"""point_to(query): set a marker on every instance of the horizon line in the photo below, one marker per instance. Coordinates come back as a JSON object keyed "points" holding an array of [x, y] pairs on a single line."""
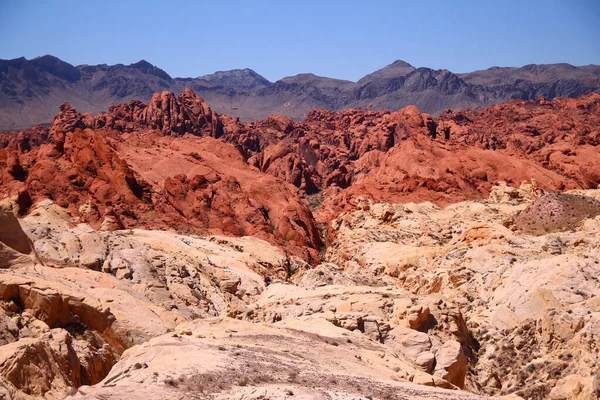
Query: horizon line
{"points": [[297, 74]]}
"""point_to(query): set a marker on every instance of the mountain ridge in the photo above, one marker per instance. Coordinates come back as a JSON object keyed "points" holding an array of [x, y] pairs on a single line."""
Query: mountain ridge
{"points": [[32, 90]]}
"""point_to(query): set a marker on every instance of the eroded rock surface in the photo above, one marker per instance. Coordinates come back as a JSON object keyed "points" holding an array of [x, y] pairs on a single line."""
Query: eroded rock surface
{"points": [[229, 359], [174, 163], [164, 251], [522, 306]]}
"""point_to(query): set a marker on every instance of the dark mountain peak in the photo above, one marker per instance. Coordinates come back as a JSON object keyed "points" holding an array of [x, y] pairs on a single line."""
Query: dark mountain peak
{"points": [[147, 68], [142, 64], [48, 58], [400, 63], [14, 63], [236, 71], [396, 69], [232, 73], [541, 75], [311, 78], [40, 85], [237, 79], [301, 77], [56, 67], [542, 68]]}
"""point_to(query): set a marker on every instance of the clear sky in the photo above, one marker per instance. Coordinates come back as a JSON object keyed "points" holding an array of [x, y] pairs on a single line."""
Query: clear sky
{"points": [[341, 39]]}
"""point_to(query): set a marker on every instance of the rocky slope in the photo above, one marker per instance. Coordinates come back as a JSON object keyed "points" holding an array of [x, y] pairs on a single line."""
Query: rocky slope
{"points": [[410, 301], [31, 90], [163, 250], [175, 163], [193, 184], [519, 304]]}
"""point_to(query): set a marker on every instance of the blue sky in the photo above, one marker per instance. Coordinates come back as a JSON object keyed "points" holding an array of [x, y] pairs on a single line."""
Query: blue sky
{"points": [[341, 39]]}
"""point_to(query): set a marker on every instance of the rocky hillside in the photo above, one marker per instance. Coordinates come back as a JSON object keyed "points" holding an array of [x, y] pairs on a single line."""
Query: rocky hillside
{"points": [[31, 90], [411, 301], [176, 163], [164, 250]]}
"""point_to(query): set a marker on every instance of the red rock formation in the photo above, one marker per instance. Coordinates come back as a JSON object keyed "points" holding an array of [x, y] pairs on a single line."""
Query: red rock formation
{"points": [[407, 156], [562, 135], [166, 113], [112, 179], [205, 185], [137, 166]]}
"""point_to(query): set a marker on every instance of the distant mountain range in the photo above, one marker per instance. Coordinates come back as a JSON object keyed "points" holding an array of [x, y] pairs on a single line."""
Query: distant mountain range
{"points": [[32, 90]]}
